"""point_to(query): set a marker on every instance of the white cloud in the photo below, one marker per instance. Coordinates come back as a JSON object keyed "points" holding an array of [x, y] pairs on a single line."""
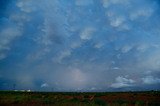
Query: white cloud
{"points": [[26, 5], [120, 1], [93, 88], [38, 55], [87, 33], [145, 13], [7, 35], [150, 80], [122, 82], [120, 12], [20, 18], [107, 3], [116, 68], [151, 62], [99, 45], [118, 56], [76, 44], [63, 54], [44, 85], [48, 31], [155, 45], [143, 47], [117, 21], [126, 48], [83, 2]]}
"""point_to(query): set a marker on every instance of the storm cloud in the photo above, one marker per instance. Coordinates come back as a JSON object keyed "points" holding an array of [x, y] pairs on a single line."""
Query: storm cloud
{"points": [[80, 45]]}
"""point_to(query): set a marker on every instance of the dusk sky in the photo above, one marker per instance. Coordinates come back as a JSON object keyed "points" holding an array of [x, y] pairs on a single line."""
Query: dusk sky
{"points": [[80, 45]]}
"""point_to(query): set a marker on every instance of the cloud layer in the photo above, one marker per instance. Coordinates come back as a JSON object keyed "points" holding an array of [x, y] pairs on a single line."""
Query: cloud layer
{"points": [[80, 44]]}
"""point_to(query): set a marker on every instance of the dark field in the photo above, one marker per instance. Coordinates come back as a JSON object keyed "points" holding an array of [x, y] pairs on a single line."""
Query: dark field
{"points": [[11, 98]]}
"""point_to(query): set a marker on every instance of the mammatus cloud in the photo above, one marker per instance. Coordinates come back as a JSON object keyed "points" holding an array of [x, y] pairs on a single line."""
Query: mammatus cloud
{"points": [[8, 33], [26, 6], [80, 44], [87, 33]]}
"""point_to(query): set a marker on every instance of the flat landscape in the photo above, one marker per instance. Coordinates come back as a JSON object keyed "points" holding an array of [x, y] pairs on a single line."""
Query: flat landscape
{"points": [[18, 98]]}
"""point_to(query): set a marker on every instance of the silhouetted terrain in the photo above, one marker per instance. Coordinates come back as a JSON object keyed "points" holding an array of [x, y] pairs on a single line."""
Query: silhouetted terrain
{"points": [[17, 98]]}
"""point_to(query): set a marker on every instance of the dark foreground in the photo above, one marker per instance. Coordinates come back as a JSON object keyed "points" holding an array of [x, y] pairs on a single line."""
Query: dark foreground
{"points": [[11, 98]]}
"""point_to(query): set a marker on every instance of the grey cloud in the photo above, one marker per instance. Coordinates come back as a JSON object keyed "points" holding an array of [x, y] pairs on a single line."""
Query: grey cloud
{"points": [[7, 35], [151, 80], [122, 82]]}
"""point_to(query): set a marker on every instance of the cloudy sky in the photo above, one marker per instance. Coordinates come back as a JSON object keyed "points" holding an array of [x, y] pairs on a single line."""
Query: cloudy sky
{"points": [[80, 45]]}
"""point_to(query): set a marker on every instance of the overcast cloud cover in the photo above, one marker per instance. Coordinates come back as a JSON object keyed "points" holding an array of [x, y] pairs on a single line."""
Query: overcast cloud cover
{"points": [[80, 45]]}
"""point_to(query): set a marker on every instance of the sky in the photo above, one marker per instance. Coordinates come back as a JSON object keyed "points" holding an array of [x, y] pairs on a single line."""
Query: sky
{"points": [[80, 45]]}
